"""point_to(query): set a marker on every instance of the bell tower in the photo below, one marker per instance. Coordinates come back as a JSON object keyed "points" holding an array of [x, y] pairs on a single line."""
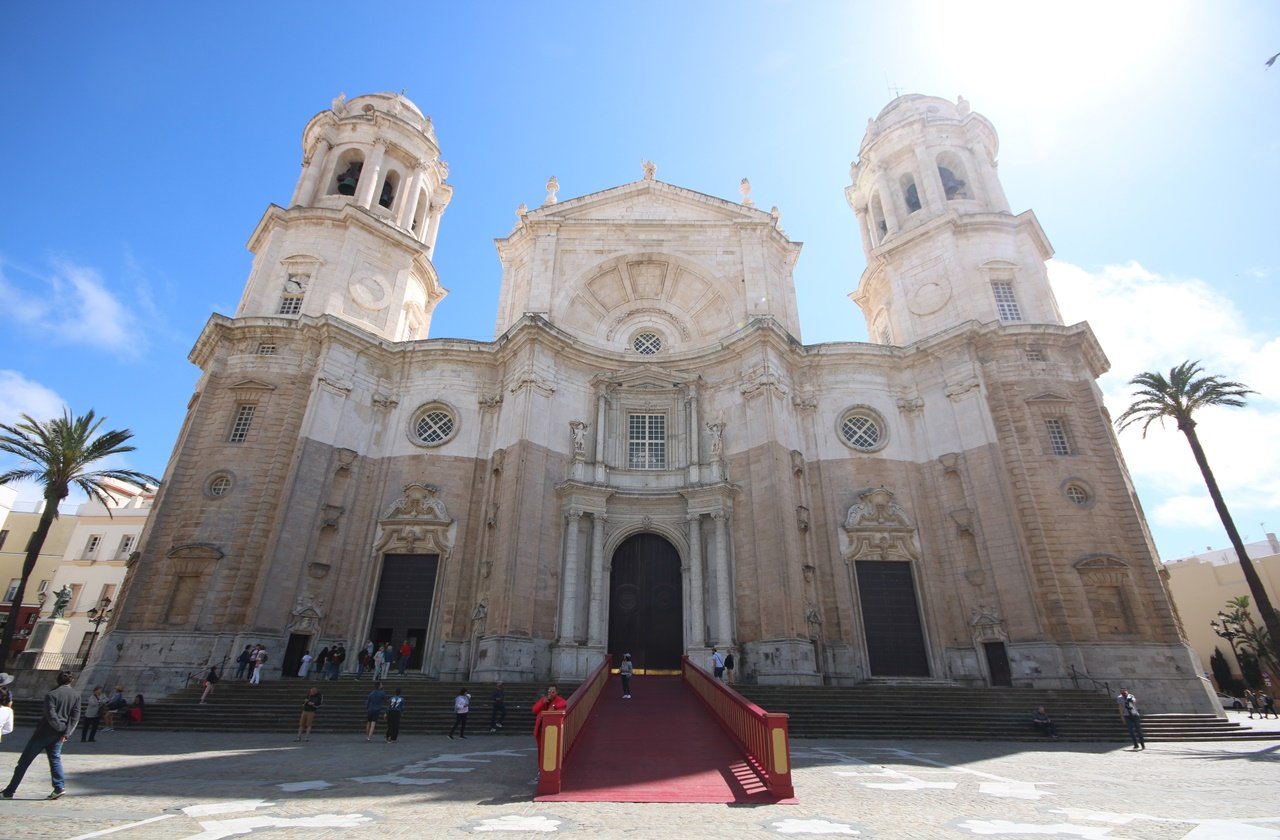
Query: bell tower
{"points": [[357, 240], [942, 246]]}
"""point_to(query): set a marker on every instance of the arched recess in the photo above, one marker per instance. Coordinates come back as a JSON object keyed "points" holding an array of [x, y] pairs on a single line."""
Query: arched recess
{"points": [[411, 553], [646, 602], [191, 566], [1109, 590], [689, 302], [884, 569]]}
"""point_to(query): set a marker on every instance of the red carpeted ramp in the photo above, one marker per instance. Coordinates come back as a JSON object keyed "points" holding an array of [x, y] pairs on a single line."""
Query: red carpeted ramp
{"points": [[660, 746]]}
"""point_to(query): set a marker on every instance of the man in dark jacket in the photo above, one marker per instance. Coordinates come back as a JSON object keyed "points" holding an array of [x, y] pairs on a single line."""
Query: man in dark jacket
{"points": [[61, 715]]}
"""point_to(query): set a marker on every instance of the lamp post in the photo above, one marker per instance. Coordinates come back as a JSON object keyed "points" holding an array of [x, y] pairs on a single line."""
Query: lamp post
{"points": [[97, 615]]}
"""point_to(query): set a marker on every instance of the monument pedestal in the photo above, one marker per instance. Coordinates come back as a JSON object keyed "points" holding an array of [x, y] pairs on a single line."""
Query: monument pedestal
{"points": [[44, 648]]}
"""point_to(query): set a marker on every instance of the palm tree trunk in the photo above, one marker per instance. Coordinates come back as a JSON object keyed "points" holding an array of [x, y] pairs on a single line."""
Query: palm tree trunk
{"points": [[34, 545], [1256, 588]]}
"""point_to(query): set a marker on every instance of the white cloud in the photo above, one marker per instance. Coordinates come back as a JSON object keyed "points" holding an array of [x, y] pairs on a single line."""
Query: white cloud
{"points": [[19, 395], [1145, 321], [73, 305]]}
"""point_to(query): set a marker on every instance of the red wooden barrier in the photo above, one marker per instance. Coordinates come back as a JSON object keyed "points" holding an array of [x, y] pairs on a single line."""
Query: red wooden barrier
{"points": [[559, 729], [763, 736]]}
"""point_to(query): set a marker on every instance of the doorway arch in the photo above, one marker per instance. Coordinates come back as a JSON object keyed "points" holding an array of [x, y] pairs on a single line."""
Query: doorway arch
{"points": [[646, 603]]}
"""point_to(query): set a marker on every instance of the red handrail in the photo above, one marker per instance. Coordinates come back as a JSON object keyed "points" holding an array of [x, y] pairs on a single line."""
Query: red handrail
{"points": [[762, 736], [558, 729]]}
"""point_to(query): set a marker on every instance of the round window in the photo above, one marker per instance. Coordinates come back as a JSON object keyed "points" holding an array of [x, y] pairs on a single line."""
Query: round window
{"points": [[1077, 494], [433, 425], [219, 485], [862, 429], [647, 343]]}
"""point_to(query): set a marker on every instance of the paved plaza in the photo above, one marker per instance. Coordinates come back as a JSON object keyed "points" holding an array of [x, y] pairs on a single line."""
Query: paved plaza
{"points": [[169, 785]]}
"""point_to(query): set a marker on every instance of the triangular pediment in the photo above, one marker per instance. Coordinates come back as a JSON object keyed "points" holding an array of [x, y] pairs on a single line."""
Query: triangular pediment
{"points": [[648, 201], [252, 385], [646, 376]]}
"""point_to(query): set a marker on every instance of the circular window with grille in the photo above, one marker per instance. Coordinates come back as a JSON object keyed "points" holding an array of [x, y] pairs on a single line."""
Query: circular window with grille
{"points": [[218, 485], [862, 428], [647, 343], [1078, 494], [433, 425]]}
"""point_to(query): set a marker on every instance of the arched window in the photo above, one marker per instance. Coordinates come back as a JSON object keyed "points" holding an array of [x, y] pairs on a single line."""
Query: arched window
{"points": [[390, 187], [878, 227], [955, 181], [910, 195], [346, 175], [420, 213]]}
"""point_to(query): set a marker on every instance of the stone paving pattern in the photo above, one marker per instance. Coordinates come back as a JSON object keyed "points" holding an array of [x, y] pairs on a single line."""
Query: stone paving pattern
{"points": [[209, 786]]}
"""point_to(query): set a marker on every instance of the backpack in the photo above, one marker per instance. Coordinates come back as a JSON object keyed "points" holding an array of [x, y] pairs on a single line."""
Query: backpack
{"points": [[262, 658]]}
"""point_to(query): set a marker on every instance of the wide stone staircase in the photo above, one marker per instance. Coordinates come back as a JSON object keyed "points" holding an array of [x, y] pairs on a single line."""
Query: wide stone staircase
{"points": [[936, 710], [869, 711]]}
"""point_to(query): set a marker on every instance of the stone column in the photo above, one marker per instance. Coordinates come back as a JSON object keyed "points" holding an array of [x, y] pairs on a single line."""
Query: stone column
{"points": [[371, 174], [409, 204], [695, 428], [433, 227], [698, 614], [929, 184], [313, 165], [724, 598], [600, 409], [887, 205], [569, 583], [595, 623]]}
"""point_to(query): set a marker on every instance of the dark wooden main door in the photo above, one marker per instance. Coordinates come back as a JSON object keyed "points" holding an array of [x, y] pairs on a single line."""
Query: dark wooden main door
{"points": [[891, 619], [403, 608], [646, 603], [998, 663]]}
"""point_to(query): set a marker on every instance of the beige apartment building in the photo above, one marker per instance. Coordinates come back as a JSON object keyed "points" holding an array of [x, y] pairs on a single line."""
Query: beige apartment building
{"points": [[648, 458], [1201, 585], [19, 524]]}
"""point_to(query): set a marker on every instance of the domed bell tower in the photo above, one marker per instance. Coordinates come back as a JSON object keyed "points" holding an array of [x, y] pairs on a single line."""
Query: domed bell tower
{"points": [[357, 240], [942, 246]]}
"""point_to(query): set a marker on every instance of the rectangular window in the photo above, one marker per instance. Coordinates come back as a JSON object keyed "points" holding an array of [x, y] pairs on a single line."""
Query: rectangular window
{"points": [[240, 428], [647, 441], [91, 547], [12, 590], [290, 305], [107, 595], [126, 546], [1006, 303], [266, 348], [4, 535], [84, 645], [1058, 438], [1035, 355], [44, 587], [75, 596]]}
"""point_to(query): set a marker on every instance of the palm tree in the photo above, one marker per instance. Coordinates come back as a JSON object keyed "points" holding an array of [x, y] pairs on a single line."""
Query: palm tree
{"points": [[60, 453], [1179, 397]]}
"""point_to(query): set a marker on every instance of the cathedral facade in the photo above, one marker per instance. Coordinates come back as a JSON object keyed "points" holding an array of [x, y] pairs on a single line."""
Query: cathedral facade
{"points": [[647, 459]]}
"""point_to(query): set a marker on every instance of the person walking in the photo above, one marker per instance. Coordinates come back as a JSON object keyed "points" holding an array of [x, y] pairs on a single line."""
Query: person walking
{"points": [[304, 667], [461, 708], [373, 709], [210, 680], [60, 718], [92, 715], [242, 661], [1268, 706], [1249, 702], [395, 708], [310, 704], [406, 650], [322, 662], [497, 707], [1132, 718], [625, 670], [729, 664]]}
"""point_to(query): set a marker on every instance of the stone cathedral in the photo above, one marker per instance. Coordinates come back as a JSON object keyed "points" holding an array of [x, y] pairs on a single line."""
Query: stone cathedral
{"points": [[646, 458]]}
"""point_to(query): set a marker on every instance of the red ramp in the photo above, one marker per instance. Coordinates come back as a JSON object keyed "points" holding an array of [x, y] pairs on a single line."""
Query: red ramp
{"points": [[661, 746]]}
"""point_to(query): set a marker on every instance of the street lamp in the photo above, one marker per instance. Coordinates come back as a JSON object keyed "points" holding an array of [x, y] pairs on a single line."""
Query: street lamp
{"points": [[97, 615]]}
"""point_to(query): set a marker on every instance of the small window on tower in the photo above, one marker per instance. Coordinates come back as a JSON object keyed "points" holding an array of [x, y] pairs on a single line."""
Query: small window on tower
{"points": [[954, 179], [389, 189], [267, 348], [1006, 303], [1059, 441], [240, 426]]}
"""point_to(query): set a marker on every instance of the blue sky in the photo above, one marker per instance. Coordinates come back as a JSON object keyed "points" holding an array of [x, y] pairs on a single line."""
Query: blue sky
{"points": [[142, 143]]}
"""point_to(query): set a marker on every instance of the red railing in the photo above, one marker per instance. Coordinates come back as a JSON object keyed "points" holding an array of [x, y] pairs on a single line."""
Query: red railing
{"points": [[762, 736], [558, 729]]}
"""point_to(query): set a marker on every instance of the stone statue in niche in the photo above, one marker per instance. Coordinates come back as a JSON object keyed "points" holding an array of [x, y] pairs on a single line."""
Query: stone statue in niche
{"points": [[578, 431], [717, 439], [480, 615]]}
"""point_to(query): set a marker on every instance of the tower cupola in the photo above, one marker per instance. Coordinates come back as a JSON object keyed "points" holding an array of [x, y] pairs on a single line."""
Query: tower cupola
{"points": [[942, 245]]}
